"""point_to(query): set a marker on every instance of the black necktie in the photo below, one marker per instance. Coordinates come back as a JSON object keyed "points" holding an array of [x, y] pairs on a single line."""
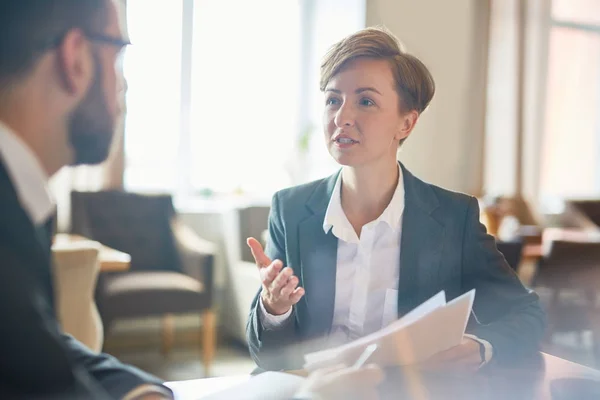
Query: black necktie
{"points": [[46, 231]]}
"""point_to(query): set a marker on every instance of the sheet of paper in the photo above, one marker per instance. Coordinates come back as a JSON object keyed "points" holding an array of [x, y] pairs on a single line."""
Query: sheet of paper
{"points": [[266, 386], [438, 331], [437, 301], [432, 327], [315, 360]]}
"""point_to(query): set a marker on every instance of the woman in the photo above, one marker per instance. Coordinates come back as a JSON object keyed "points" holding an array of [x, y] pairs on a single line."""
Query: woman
{"points": [[372, 241]]}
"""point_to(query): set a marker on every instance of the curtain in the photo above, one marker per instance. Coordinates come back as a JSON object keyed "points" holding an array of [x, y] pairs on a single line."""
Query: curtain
{"points": [[518, 47], [518, 50]]}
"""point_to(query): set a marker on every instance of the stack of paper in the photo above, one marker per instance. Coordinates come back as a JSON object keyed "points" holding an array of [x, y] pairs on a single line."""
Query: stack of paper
{"points": [[432, 327]]}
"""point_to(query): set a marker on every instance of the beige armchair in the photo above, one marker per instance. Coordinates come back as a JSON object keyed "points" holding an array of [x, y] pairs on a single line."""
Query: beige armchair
{"points": [[171, 267], [75, 272]]}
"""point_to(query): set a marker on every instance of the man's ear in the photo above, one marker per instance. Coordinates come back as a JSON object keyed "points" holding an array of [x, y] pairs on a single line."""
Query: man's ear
{"points": [[407, 123], [75, 63]]}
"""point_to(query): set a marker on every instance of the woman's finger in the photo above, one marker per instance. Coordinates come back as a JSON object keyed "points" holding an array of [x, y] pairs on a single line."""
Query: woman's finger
{"points": [[268, 274], [281, 280], [289, 288], [261, 259], [296, 295]]}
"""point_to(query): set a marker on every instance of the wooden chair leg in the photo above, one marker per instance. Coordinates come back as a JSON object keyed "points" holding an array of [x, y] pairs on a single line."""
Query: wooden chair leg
{"points": [[168, 333], [209, 339]]}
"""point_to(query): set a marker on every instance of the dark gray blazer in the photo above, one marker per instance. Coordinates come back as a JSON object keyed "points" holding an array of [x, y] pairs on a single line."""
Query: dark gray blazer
{"points": [[443, 247], [38, 360]]}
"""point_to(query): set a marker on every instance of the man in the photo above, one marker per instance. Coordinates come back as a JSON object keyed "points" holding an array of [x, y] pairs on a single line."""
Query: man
{"points": [[58, 106]]}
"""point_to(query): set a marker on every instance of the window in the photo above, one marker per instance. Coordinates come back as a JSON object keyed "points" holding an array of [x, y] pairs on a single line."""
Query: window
{"points": [[152, 67], [571, 147], [501, 123], [223, 96], [561, 101]]}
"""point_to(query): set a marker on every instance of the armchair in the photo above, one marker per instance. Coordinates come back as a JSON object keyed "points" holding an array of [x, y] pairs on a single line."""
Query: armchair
{"points": [[171, 268]]}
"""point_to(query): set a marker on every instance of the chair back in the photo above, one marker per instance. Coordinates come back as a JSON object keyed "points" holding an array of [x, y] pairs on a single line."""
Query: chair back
{"points": [[137, 224], [75, 271], [571, 264], [589, 208], [253, 222], [512, 251]]}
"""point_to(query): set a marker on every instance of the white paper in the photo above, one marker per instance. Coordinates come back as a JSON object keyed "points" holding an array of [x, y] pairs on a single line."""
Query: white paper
{"points": [[322, 357], [266, 386], [431, 327]]}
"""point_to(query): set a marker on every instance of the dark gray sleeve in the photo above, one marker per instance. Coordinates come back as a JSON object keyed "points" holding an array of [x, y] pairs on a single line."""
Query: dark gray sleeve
{"points": [[505, 313], [38, 360], [269, 348], [113, 376]]}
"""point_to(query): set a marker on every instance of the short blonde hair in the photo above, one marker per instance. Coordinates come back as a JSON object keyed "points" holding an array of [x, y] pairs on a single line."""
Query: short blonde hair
{"points": [[414, 84]]}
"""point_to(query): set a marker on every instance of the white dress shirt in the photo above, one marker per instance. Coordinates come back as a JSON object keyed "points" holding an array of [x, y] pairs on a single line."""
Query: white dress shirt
{"points": [[27, 175], [31, 184], [368, 272], [366, 289]]}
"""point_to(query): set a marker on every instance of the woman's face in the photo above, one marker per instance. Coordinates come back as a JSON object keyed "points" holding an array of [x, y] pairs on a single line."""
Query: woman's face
{"points": [[362, 120]]}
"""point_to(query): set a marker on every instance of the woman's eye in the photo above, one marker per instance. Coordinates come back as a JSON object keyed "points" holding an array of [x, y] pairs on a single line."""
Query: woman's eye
{"points": [[332, 101], [366, 103]]}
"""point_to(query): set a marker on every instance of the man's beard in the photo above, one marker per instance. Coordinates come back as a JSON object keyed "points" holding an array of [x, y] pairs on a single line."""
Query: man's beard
{"points": [[91, 126]]}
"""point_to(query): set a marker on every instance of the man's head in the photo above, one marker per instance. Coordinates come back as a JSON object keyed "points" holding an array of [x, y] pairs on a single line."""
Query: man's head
{"points": [[60, 56]]}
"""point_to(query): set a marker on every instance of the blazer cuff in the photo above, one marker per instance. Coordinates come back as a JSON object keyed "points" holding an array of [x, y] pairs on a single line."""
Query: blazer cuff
{"points": [[488, 349], [272, 322]]}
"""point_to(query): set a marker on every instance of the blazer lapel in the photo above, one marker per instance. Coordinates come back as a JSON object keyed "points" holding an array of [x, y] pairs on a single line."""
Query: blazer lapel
{"points": [[318, 259], [421, 244], [17, 229]]}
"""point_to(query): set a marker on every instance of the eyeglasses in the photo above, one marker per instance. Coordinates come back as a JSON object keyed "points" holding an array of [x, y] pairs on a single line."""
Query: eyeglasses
{"points": [[113, 41], [93, 37]]}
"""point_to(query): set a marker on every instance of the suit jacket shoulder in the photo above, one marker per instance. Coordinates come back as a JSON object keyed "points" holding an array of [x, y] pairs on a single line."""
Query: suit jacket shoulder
{"points": [[446, 197], [300, 195]]}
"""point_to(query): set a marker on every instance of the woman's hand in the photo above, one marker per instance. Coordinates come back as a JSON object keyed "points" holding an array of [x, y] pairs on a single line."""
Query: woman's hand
{"points": [[280, 289], [464, 358]]}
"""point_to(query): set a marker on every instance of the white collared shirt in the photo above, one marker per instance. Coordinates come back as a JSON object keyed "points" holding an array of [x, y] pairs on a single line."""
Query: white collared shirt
{"points": [[368, 268], [27, 175]]}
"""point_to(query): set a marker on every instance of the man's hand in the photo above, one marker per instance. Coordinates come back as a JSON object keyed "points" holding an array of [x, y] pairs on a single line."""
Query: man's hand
{"points": [[280, 289], [343, 383], [464, 358]]}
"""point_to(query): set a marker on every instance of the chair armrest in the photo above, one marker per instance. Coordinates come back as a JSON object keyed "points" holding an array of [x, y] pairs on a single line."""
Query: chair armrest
{"points": [[196, 254]]}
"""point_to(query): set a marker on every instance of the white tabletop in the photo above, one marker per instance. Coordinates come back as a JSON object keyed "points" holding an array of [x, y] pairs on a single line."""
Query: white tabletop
{"points": [[197, 388]]}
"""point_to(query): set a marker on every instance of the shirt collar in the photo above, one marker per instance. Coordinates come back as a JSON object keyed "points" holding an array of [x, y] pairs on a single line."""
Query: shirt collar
{"points": [[336, 220], [27, 175]]}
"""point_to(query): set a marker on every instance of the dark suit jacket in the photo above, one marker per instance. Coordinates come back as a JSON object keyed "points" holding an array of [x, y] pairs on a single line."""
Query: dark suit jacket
{"points": [[443, 247], [37, 360]]}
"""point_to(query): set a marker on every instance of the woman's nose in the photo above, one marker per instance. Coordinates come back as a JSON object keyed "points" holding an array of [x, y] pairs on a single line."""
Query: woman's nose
{"points": [[344, 117]]}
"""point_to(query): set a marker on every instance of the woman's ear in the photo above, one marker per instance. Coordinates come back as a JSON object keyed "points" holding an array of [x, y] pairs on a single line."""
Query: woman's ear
{"points": [[407, 123]]}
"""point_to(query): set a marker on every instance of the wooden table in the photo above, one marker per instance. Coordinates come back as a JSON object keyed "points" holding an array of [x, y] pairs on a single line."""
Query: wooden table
{"points": [[528, 381], [111, 260]]}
